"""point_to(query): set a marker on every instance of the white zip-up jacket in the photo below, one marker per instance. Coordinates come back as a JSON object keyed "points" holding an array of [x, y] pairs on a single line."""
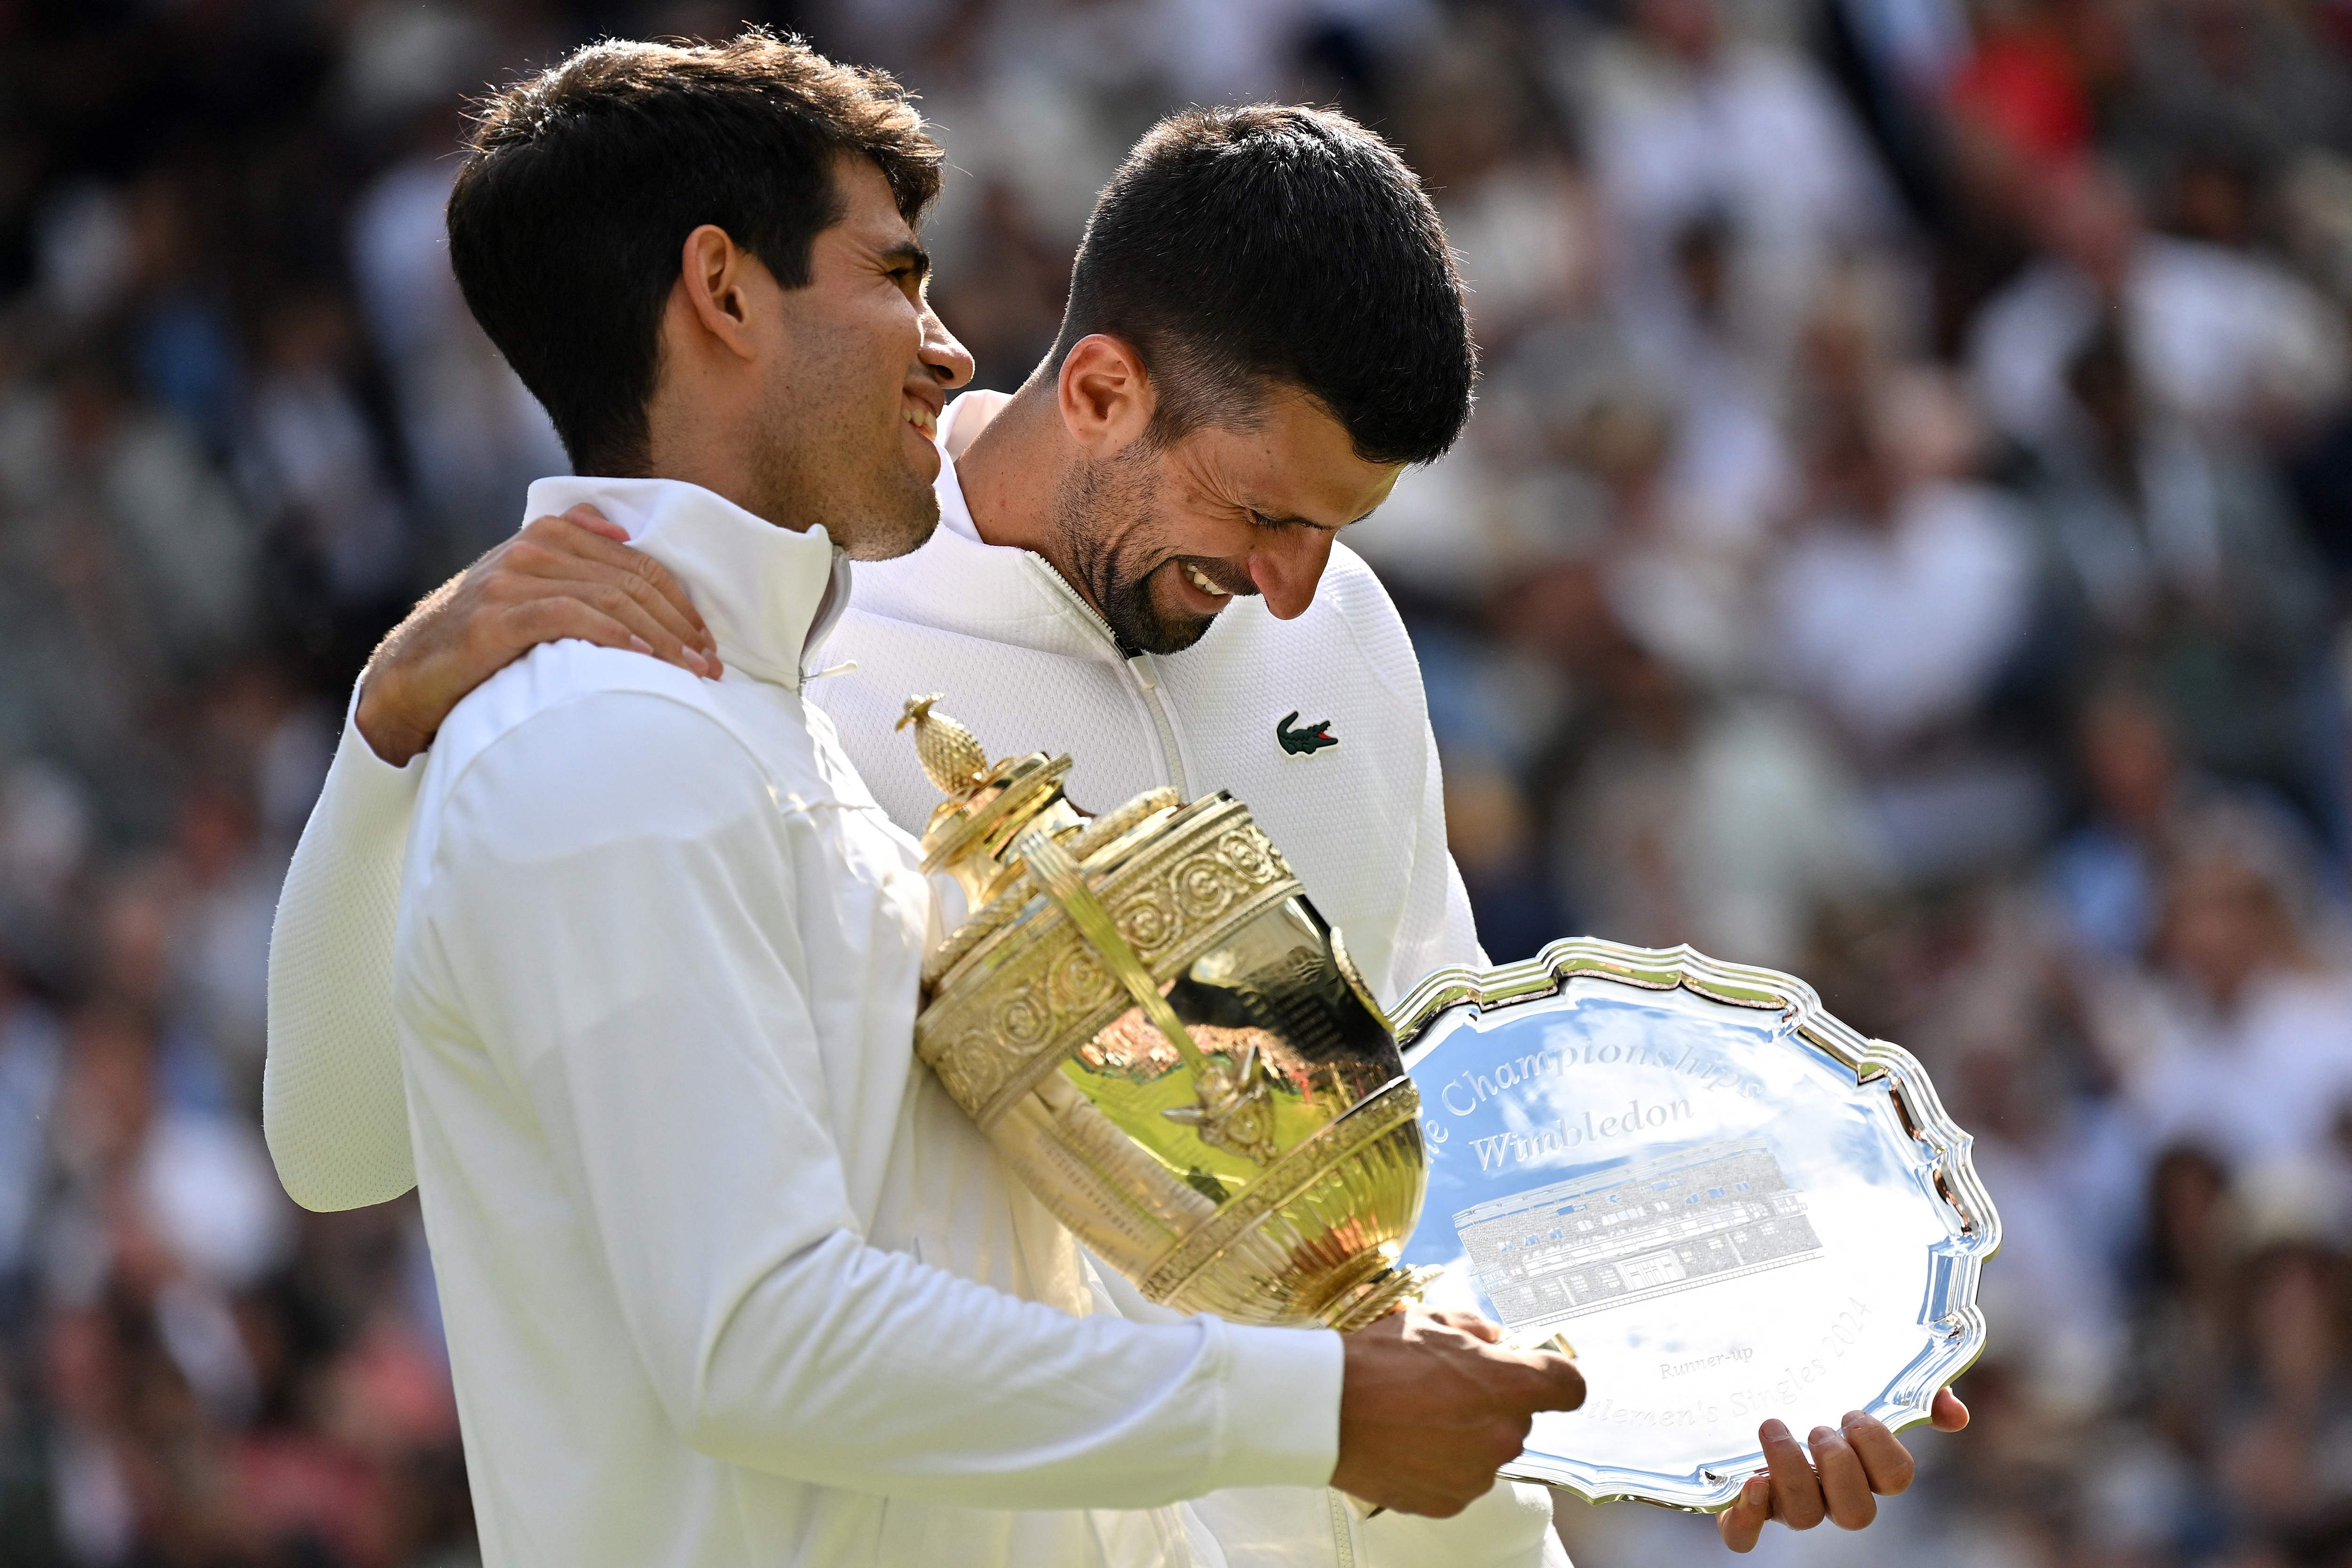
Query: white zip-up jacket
{"points": [[1023, 660], [729, 1281]]}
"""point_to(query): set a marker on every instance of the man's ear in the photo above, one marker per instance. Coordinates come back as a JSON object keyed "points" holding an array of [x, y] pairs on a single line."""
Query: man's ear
{"points": [[1105, 394], [714, 281]]}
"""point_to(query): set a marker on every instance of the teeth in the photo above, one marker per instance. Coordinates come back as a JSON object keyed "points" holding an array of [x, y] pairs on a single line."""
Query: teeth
{"points": [[1201, 582], [922, 419]]}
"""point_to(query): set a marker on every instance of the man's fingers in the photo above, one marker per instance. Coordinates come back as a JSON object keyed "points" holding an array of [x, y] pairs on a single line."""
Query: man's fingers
{"points": [[1439, 1504], [550, 620], [1884, 1458], [1743, 1521], [529, 621], [637, 577], [569, 549], [646, 576], [554, 618], [633, 595], [1796, 1492], [588, 517], [1845, 1490], [1948, 1414], [1477, 1325]]}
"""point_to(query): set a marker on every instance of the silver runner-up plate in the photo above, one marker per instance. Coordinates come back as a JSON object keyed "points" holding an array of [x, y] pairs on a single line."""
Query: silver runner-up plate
{"points": [[1730, 1205]]}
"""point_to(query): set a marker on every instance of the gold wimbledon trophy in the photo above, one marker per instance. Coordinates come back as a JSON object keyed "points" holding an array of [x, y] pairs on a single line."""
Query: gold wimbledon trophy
{"points": [[1153, 1026]]}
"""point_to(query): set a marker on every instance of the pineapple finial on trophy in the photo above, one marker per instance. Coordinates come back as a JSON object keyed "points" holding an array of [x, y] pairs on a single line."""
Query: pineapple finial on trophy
{"points": [[988, 804], [951, 756]]}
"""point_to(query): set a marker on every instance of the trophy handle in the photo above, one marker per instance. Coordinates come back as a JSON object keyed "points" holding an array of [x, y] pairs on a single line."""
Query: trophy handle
{"points": [[1234, 1110]]}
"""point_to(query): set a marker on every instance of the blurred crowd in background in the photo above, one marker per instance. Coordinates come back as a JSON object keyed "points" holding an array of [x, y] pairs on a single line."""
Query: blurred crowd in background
{"points": [[1905, 538]]}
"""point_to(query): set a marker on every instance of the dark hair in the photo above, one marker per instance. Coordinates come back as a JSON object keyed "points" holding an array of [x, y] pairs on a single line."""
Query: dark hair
{"points": [[2100, 365], [1240, 249], [581, 182]]}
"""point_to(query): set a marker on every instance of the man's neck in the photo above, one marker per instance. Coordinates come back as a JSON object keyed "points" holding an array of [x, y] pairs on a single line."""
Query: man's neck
{"points": [[699, 451], [1005, 453]]}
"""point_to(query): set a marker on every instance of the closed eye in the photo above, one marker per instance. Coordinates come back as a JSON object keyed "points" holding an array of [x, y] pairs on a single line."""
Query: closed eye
{"points": [[907, 266], [1260, 519]]}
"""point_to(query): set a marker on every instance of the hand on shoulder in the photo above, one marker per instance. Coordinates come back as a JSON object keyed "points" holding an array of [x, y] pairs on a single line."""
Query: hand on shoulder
{"points": [[569, 576]]}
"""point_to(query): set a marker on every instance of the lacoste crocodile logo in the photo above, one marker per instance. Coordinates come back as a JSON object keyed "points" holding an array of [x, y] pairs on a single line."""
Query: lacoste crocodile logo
{"points": [[1306, 742]]}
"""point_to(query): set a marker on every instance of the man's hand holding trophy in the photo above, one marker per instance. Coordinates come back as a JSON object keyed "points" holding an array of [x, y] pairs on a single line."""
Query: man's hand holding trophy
{"points": [[1432, 1408], [1751, 1219]]}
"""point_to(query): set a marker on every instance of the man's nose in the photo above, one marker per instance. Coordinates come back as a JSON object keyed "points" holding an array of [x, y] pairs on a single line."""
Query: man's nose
{"points": [[949, 360], [1287, 569]]}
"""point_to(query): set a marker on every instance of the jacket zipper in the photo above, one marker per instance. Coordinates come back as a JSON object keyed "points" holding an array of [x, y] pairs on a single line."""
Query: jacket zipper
{"points": [[1343, 1531], [1147, 676], [1142, 671]]}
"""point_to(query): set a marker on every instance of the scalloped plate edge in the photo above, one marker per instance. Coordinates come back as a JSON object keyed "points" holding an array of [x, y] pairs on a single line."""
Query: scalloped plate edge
{"points": [[1974, 1222]]}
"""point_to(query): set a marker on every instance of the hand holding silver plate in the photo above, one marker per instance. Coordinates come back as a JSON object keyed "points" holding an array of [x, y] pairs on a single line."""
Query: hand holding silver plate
{"points": [[1739, 1210]]}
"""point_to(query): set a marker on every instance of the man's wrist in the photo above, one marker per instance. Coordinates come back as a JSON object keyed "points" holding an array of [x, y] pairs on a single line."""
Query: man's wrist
{"points": [[394, 740]]}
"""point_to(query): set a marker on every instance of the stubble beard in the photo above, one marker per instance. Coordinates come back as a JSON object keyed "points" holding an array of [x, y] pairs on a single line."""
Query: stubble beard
{"points": [[901, 521], [1097, 511], [874, 507]]}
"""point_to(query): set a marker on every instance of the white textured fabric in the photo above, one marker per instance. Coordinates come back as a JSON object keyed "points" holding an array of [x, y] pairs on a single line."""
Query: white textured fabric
{"points": [[1020, 658], [728, 1279], [330, 1092], [1302, 1527]]}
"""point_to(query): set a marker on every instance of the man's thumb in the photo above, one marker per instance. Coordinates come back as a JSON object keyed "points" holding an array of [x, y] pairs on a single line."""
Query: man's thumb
{"points": [[1563, 1383]]}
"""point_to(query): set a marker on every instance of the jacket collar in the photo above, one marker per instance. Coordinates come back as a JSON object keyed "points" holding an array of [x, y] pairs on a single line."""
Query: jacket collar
{"points": [[768, 593], [959, 583], [955, 512]]}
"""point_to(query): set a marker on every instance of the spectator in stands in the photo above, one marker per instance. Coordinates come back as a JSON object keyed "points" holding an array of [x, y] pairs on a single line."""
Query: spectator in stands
{"points": [[2186, 563], [2234, 344], [1896, 610], [2245, 1046]]}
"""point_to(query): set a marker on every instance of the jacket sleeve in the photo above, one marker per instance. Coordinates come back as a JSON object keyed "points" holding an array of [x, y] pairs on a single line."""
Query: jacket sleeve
{"points": [[623, 933], [332, 1107]]}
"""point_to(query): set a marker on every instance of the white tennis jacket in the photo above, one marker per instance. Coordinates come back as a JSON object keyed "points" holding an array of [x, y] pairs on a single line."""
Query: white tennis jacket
{"points": [[1318, 723], [729, 1281]]}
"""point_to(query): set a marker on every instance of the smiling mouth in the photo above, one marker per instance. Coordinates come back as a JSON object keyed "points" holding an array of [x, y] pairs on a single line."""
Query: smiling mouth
{"points": [[1200, 580]]}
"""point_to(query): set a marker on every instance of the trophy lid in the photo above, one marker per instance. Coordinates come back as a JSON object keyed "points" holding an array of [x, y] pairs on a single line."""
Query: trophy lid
{"points": [[988, 806]]}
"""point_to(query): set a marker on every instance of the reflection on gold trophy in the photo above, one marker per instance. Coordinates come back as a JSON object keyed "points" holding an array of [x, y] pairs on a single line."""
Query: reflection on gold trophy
{"points": [[1154, 1026]]}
